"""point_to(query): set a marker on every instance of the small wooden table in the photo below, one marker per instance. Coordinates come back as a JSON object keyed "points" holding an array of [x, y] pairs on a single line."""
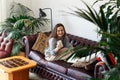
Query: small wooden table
{"points": [[15, 68]]}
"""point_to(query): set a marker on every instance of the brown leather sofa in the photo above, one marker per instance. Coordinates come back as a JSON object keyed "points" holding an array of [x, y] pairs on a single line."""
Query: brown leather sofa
{"points": [[60, 70], [5, 45]]}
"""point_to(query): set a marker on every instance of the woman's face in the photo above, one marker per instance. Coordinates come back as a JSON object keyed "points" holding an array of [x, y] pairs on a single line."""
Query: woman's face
{"points": [[60, 31]]}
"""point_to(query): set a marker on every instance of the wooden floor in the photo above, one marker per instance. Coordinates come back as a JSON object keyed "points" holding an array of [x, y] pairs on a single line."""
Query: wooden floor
{"points": [[33, 76]]}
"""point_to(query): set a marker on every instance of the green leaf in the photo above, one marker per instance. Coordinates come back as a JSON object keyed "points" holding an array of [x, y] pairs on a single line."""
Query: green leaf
{"points": [[16, 49]]}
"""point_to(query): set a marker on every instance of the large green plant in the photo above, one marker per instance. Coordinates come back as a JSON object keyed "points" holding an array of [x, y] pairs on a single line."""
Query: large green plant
{"points": [[107, 19], [20, 23]]}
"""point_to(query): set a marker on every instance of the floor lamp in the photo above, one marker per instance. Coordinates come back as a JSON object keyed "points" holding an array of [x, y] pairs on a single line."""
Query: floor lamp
{"points": [[43, 14]]}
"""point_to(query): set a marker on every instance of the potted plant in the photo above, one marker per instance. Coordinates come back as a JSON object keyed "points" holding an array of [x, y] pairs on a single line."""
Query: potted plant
{"points": [[108, 23], [20, 23]]}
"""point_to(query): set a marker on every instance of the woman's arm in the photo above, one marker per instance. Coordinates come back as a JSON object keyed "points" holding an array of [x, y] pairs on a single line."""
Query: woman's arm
{"points": [[53, 47]]}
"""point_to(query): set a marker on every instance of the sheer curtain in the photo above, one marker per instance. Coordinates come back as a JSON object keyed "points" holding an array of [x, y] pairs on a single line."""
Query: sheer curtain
{"points": [[2, 10]]}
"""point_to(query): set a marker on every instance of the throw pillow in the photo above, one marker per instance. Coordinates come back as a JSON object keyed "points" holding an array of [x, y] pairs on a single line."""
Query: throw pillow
{"points": [[40, 43], [86, 62], [80, 64], [86, 65]]}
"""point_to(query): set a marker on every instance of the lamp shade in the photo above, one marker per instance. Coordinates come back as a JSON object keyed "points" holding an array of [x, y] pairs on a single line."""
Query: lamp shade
{"points": [[42, 13]]}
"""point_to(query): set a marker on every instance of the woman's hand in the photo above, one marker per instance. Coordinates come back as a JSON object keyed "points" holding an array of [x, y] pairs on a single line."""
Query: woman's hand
{"points": [[58, 46]]}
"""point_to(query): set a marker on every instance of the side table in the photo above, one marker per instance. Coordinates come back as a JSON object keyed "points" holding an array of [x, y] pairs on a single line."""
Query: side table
{"points": [[15, 68]]}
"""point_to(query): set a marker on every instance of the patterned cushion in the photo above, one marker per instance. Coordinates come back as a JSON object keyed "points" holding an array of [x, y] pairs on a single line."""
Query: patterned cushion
{"points": [[40, 43], [80, 64], [87, 65]]}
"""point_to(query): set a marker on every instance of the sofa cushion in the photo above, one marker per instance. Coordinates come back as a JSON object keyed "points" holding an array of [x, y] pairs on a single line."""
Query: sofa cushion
{"points": [[87, 62], [40, 43], [59, 65], [86, 65], [80, 73], [80, 64]]}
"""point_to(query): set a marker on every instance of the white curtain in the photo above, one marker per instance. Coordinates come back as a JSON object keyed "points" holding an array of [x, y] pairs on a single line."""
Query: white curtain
{"points": [[2, 10]]}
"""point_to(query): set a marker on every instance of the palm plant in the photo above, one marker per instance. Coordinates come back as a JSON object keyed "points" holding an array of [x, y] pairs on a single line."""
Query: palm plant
{"points": [[20, 23], [108, 22]]}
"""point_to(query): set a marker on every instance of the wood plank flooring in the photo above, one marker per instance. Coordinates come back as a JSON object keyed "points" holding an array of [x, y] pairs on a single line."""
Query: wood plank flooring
{"points": [[33, 76]]}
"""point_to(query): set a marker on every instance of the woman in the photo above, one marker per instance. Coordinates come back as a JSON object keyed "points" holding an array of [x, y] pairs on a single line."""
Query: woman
{"points": [[58, 43]]}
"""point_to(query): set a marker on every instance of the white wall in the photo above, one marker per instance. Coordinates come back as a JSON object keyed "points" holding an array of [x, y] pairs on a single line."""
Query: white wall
{"points": [[24, 2], [73, 24]]}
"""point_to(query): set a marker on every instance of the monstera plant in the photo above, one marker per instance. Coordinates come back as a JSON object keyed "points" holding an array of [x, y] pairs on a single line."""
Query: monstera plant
{"points": [[21, 22], [107, 19]]}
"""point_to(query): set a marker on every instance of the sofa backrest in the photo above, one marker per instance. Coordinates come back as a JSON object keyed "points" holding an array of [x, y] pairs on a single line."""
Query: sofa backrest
{"points": [[80, 41], [29, 41]]}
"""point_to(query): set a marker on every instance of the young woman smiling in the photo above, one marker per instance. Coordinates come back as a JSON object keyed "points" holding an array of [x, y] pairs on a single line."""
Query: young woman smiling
{"points": [[58, 42]]}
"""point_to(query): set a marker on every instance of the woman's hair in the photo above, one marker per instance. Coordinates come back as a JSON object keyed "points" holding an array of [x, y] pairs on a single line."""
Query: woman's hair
{"points": [[54, 32]]}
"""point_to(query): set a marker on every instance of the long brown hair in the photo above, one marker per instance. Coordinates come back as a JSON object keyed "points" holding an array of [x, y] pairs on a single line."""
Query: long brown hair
{"points": [[54, 32]]}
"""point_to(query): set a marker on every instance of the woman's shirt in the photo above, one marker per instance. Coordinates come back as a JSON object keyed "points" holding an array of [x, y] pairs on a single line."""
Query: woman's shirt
{"points": [[52, 45]]}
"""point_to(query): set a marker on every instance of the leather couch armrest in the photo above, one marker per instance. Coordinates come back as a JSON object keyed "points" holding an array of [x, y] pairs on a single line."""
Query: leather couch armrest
{"points": [[28, 42], [38, 57], [35, 55], [100, 67]]}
